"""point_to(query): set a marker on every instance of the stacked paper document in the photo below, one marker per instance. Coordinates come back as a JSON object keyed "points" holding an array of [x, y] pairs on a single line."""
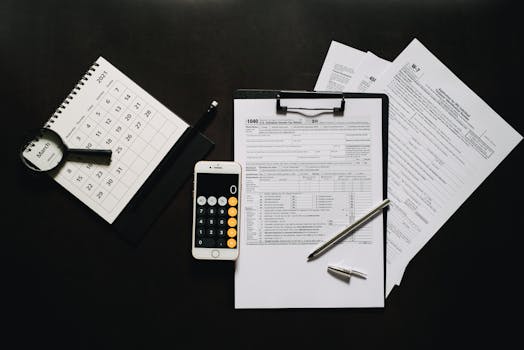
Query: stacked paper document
{"points": [[443, 140]]}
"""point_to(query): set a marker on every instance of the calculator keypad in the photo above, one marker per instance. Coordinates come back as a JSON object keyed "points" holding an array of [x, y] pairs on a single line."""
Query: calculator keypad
{"points": [[216, 222]]}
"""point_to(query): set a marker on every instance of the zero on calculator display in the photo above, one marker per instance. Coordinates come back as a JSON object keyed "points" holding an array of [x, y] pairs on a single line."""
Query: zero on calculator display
{"points": [[216, 216]]}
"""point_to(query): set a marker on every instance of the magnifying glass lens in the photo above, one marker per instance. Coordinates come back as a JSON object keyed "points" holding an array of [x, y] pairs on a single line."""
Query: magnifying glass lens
{"points": [[45, 152]]}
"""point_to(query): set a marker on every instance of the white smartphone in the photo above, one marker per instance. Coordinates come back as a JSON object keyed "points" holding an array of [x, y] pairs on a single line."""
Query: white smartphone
{"points": [[216, 210]]}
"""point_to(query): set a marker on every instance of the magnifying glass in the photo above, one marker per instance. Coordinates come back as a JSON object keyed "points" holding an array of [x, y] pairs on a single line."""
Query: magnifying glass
{"points": [[48, 152]]}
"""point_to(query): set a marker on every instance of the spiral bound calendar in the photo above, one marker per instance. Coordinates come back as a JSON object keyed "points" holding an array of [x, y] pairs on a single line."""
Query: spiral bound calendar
{"points": [[107, 110]]}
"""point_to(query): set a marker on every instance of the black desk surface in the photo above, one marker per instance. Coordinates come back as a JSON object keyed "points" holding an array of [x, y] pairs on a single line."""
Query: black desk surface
{"points": [[68, 281]]}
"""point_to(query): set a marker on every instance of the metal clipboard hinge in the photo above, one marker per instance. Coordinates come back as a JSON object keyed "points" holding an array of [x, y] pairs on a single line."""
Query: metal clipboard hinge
{"points": [[338, 111]]}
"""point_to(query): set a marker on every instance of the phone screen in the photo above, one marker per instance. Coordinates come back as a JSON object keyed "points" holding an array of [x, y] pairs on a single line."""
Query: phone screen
{"points": [[216, 216]]}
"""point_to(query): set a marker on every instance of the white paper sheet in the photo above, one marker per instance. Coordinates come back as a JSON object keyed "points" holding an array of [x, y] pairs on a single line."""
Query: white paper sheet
{"points": [[367, 73], [339, 67], [443, 142], [304, 180]]}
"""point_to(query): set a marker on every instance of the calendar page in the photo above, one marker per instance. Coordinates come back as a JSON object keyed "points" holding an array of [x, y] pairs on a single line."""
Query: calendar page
{"points": [[107, 110]]}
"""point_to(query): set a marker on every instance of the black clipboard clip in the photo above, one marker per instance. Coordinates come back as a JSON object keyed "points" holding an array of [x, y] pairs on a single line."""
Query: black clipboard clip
{"points": [[337, 111]]}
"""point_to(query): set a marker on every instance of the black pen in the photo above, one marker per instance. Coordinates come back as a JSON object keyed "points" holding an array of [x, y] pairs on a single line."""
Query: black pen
{"points": [[191, 131], [199, 126], [206, 117]]}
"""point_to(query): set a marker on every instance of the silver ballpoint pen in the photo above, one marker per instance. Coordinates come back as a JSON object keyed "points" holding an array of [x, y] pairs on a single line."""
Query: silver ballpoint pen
{"points": [[361, 221]]}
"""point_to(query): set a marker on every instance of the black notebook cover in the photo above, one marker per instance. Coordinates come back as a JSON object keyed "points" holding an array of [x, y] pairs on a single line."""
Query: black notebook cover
{"points": [[161, 186]]}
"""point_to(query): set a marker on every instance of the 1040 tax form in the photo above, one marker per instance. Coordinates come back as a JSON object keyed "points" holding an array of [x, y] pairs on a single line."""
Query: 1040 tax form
{"points": [[305, 178]]}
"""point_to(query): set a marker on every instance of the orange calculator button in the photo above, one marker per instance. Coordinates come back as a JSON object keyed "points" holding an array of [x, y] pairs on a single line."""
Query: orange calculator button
{"points": [[232, 211], [232, 201], [231, 243], [232, 232], [232, 222]]}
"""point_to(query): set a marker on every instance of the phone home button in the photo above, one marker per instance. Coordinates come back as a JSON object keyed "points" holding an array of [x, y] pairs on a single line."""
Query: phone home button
{"points": [[215, 253]]}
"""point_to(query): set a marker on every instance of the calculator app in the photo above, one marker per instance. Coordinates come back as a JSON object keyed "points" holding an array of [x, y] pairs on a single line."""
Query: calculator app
{"points": [[216, 216]]}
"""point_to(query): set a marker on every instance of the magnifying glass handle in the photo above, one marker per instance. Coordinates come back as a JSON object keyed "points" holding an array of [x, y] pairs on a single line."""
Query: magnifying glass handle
{"points": [[106, 153]]}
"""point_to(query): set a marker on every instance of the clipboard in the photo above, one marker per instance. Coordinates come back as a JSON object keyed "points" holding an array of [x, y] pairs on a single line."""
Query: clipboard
{"points": [[284, 104]]}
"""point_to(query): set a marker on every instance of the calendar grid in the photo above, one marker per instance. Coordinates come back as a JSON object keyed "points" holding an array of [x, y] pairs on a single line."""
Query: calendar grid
{"points": [[135, 131]]}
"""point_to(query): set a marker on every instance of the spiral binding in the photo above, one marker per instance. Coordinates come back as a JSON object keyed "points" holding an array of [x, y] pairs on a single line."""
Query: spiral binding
{"points": [[72, 94], [30, 144], [64, 104]]}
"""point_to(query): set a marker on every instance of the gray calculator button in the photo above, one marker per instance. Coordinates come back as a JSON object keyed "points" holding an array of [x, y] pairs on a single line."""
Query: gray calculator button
{"points": [[201, 200], [212, 200], [222, 201]]}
